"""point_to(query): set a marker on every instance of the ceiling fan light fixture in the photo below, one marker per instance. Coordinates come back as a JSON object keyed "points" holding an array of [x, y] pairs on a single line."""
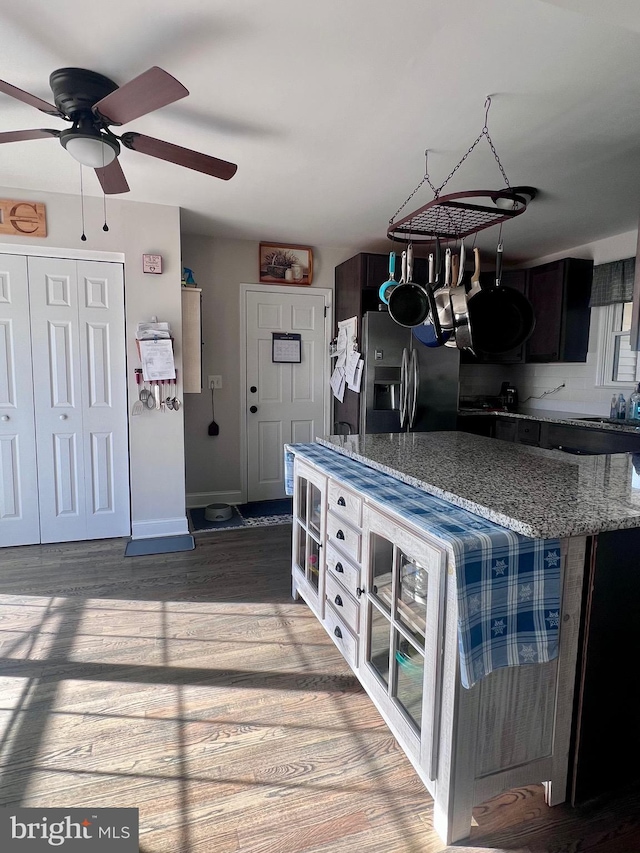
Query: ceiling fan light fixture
{"points": [[90, 149]]}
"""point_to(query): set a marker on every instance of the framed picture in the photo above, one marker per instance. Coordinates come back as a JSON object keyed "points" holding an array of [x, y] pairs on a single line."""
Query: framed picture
{"points": [[285, 264]]}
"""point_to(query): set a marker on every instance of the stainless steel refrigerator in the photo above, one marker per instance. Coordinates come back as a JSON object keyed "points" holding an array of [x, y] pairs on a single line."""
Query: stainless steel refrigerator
{"points": [[406, 386]]}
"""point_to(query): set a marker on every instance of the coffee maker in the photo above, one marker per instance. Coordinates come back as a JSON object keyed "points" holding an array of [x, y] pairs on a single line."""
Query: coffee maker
{"points": [[509, 396]]}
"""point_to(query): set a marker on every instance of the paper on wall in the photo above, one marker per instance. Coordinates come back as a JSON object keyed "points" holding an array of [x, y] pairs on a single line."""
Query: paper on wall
{"points": [[351, 366], [157, 359], [338, 383], [354, 385]]}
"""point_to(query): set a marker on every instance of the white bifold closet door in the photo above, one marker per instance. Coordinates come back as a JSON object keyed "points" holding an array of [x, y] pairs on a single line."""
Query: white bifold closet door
{"points": [[19, 515], [76, 377]]}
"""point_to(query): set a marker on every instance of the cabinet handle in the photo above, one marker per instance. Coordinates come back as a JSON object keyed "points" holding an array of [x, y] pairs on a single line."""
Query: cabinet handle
{"points": [[375, 589], [337, 632], [341, 501], [359, 591], [339, 568], [340, 535], [338, 600]]}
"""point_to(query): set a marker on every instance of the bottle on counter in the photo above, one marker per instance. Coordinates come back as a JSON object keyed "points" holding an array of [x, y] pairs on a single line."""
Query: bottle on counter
{"points": [[633, 411], [613, 411], [622, 408]]}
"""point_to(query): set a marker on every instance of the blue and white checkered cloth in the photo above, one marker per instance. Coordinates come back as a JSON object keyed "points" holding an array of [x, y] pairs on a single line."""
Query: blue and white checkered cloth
{"points": [[508, 585]]}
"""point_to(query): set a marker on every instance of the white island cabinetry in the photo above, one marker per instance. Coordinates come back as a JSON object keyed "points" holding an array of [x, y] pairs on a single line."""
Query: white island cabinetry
{"points": [[386, 594]]}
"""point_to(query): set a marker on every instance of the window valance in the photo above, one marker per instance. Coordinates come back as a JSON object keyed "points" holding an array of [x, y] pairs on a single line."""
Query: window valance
{"points": [[613, 282]]}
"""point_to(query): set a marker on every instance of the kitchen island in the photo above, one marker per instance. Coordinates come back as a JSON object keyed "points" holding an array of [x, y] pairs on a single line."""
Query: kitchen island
{"points": [[383, 525]]}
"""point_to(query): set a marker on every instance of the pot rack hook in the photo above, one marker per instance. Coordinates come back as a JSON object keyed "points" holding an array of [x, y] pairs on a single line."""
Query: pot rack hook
{"points": [[487, 107]]}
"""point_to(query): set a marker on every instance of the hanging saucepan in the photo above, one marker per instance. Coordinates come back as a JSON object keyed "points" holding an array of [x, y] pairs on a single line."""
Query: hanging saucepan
{"points": [[443, 300], [386, 286], [430, 334], [409, 303], [459, 308], [501, 318]]}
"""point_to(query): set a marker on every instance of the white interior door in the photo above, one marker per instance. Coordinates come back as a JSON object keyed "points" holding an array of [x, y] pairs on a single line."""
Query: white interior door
{"points": [[288, 398], [78, 350], [19, 522]]}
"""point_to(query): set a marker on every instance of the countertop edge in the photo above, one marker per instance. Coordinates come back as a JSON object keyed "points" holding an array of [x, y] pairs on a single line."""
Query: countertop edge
{"points": [[622, 427]]}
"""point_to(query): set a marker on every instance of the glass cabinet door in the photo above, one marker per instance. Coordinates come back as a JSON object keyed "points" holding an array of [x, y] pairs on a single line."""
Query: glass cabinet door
{"points": [[309, 490], [403, 623]]}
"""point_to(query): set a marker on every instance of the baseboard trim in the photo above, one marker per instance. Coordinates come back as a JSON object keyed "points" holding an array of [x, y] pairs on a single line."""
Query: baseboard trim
{"points": [[197, 499], [159, 527]]}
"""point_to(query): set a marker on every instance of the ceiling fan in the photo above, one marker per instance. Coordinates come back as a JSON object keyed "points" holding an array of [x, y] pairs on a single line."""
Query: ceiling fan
{"points": [[92, 102]]}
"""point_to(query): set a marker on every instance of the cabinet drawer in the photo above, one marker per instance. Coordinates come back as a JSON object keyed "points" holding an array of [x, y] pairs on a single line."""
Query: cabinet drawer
{"points": [[342, 570], [528, 432], [342, 636], [344, 537], [341, 601], [344, 503]]}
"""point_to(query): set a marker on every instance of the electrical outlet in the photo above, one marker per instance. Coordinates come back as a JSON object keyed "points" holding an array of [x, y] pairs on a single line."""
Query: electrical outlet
{"points": [[215, 382]]}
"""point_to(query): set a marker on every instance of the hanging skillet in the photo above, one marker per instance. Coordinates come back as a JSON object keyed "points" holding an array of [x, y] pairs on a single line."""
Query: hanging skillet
{"points": [[409, 303], [501, 318]]}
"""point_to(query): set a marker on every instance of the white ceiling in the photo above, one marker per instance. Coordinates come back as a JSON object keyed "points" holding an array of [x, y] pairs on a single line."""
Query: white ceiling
{"points": [[327, 107]]}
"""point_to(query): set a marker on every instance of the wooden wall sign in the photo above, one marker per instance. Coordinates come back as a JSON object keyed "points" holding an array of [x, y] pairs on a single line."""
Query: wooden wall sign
{"points": [[22, 218]]}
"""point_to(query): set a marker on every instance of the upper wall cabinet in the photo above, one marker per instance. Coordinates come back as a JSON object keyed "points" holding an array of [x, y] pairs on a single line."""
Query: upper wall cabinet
{"points": [[560, 293]]}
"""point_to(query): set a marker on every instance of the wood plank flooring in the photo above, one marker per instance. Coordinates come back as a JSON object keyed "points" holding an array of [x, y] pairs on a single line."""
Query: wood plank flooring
{"points": [[191, 686]]}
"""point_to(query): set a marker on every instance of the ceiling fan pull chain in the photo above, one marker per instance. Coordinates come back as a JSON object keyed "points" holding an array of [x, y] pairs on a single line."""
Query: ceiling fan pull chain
{"points": [[84, 236], [105, 227]]}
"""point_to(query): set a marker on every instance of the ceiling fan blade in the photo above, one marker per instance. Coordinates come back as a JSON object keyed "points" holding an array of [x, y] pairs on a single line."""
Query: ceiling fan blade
{"points": [[32, 100], [144, 94], [21, 135], [181, 156], [112, 178]]}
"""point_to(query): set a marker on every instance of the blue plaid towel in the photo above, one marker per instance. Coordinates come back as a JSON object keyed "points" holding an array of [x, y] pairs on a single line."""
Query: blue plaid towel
{"points": [[508, 585]]}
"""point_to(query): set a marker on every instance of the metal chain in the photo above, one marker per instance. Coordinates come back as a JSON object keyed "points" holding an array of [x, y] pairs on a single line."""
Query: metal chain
{"points": [[438, 190]]}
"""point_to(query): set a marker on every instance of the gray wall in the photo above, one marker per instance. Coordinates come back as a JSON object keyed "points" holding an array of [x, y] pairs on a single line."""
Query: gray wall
{"points": [[213, 464]]}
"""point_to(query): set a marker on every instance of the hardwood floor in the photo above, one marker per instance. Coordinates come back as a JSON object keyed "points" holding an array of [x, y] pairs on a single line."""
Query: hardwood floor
{"points": [[191, 686]]}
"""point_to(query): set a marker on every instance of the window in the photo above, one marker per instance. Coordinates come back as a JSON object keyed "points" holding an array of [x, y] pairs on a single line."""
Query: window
{"points": [[618, 364]]}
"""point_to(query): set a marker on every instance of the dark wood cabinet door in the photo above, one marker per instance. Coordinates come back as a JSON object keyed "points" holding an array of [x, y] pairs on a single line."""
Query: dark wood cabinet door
{"points": [[559, 293], [546, 288]]}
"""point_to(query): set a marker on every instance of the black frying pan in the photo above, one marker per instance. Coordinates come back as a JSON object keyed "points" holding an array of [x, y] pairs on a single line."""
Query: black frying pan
{"points": [[501, 318]]}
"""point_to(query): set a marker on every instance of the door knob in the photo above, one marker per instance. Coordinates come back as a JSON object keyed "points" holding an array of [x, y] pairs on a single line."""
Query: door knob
{"points": [[5, 417], [253, 409], [63, 417]]}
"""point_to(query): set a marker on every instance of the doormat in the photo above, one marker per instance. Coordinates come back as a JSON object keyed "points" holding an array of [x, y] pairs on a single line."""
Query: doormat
{"points": [[159, 545], [253, 514]]}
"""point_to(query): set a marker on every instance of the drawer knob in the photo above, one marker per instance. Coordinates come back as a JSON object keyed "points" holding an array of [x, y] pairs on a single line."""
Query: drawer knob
{"points": [[338, 600], [339, 568], [337, 632], [339, 535], [341, 501], [359, 591]]}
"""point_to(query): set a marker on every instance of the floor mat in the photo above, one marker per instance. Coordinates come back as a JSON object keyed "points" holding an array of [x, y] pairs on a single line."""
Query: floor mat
{"points": [[159, 545], [253, 514]]}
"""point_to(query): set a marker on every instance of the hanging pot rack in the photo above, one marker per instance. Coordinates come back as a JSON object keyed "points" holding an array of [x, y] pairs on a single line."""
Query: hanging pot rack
{"points": [[457, 215]]}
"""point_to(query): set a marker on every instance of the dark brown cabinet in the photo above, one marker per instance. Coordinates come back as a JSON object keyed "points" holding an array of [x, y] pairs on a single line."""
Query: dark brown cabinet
{"points": [[560, 293], [551, 436]]}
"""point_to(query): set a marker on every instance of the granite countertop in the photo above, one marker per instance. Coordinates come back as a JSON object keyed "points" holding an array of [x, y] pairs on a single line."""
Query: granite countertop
{"points": [[540, 493], [569, 418]]}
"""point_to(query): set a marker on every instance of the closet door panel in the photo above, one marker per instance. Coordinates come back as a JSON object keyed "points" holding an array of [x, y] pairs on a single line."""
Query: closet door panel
{"points": [[102, 350], [58, 392], [19, 519]]}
